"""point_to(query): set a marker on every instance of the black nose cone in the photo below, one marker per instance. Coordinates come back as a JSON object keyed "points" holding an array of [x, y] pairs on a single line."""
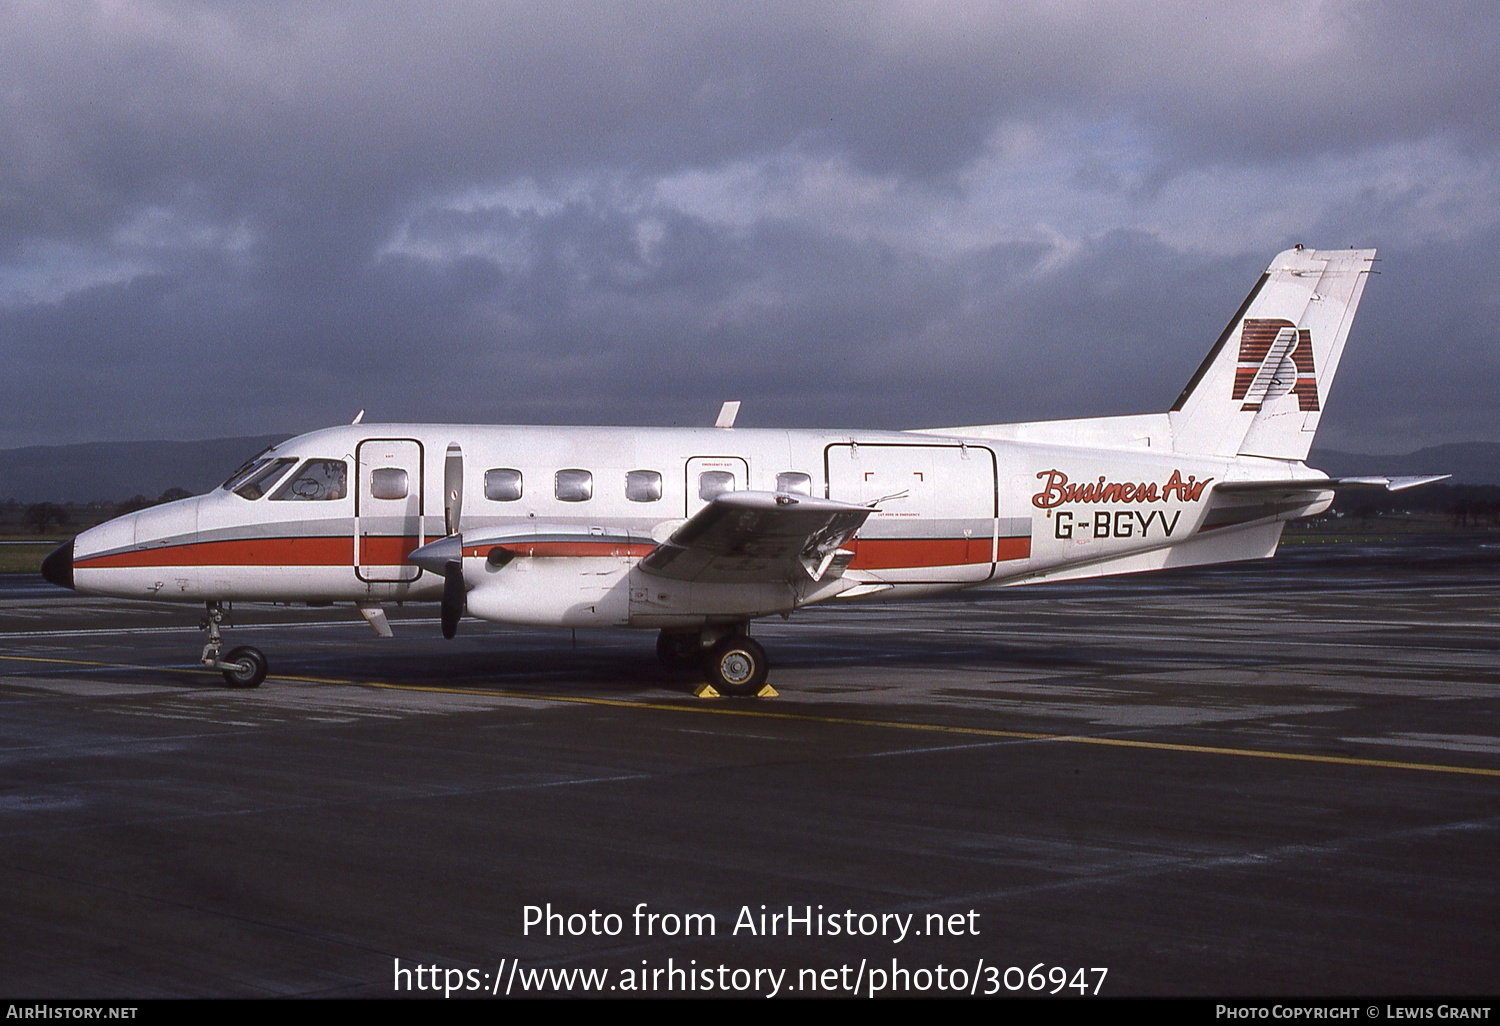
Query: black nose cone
{"points": [[58, 566]]}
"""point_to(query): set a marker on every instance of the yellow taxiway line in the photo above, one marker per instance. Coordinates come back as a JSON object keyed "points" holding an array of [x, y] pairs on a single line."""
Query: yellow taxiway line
{"points": [[843, 721]]}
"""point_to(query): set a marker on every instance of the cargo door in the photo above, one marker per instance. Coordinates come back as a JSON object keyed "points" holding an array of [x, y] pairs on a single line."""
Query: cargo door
{"points": [[936, 518]]}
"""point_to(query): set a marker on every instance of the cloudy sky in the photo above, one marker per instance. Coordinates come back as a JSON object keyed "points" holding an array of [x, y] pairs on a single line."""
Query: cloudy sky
{"points": [[221, 218]]}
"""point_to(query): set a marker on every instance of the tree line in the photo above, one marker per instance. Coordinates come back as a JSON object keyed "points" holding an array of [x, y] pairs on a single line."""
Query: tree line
{"points": [[44, 516], [1466, 505]]}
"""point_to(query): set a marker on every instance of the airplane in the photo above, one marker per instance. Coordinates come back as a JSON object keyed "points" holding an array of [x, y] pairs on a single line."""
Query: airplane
{"points": [[697, 532]]}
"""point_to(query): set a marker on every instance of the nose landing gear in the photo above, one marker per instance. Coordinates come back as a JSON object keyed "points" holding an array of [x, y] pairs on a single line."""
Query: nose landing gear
{"points": [[243, 667]]}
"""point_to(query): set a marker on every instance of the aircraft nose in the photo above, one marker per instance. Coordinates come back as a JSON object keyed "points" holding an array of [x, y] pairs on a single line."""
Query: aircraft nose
{"points": [[58, 566]]}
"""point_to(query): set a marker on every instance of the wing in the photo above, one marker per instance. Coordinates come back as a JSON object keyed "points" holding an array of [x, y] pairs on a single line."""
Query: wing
{"points": [[755, 537]]}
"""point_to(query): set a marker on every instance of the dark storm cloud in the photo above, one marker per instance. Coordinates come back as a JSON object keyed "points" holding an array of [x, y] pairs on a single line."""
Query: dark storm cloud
{"points": [[221, 217]]}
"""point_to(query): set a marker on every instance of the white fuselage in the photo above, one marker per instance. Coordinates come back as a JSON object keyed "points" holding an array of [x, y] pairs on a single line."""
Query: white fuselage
{"points": [[952, 512]]}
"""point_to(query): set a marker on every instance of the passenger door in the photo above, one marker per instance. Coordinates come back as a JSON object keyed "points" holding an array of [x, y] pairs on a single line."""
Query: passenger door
{"points": [[388, 508]]}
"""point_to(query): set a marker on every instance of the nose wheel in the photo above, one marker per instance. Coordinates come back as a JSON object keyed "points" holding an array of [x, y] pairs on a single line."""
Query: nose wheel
{"points": [[249, 667], [243, 667]]}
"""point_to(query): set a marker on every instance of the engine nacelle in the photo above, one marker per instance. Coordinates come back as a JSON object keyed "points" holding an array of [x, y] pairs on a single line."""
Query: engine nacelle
{"points": [[551, 591]]}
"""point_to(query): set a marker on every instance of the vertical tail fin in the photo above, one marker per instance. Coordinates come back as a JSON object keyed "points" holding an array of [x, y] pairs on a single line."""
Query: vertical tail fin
{"points": [[1261, 390]]}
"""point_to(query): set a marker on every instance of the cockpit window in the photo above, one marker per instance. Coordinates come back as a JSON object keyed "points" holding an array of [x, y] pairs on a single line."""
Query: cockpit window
{"points": [[245, 469], [258, 478], [317, 481]]}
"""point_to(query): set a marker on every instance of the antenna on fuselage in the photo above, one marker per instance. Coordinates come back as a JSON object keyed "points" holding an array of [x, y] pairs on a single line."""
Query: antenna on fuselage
{"points": [[727, 413], [358, 417]]}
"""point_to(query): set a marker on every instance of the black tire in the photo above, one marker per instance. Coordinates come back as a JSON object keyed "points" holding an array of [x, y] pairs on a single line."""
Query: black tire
{"points": [[737, 667], [252, 667], [679, 651]]}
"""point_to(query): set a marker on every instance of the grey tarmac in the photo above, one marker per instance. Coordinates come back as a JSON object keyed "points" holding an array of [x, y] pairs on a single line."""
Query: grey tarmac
{"points": [[1279, 778]]}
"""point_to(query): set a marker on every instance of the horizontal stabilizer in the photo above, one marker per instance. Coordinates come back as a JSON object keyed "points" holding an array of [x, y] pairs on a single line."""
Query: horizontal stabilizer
{"points": [[1390, 484], [1237, 503], [1326, 484]]}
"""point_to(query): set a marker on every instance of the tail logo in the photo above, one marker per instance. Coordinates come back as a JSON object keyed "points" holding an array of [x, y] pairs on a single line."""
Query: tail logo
{"points": [[1276, 357]]}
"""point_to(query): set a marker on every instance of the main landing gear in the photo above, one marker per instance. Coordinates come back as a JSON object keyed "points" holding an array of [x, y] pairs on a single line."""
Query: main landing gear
{"points": [[243, 667], [734, 663]]}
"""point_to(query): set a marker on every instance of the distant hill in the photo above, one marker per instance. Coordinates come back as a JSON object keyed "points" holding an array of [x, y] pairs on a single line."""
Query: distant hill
{"points": [[112, 471], [1470, 463]]}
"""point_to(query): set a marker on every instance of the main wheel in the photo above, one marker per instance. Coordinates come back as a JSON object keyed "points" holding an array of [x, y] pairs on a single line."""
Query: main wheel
{"points": [[737, 667], [679, 650], [251, 670]]}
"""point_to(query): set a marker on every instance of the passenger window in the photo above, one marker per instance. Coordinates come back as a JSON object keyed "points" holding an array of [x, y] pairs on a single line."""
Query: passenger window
{"points": [[317, 481], [502, 485], [794, 484], [712, 482], [643, 486], [259, 482], [388, 483], [575, 485]]}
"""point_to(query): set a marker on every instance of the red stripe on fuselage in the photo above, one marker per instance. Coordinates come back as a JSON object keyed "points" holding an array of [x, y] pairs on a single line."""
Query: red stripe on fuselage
{"points": [[900, 553], [869, 553]]}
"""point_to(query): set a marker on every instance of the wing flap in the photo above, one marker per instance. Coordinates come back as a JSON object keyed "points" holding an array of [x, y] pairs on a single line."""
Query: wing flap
{"points": [[759, 537]]}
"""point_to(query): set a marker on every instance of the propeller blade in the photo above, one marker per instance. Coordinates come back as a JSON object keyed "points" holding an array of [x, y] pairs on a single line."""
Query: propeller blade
{"points": [[453, 489], [453, 597]]}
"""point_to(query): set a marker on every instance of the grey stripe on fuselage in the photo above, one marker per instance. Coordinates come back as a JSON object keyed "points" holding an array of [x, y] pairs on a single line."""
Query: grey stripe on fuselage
{"points": [[935, 527]]}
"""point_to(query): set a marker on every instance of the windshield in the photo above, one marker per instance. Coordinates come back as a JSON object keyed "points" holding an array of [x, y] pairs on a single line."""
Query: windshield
{"points": [[247, 468], [257, 479]]}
